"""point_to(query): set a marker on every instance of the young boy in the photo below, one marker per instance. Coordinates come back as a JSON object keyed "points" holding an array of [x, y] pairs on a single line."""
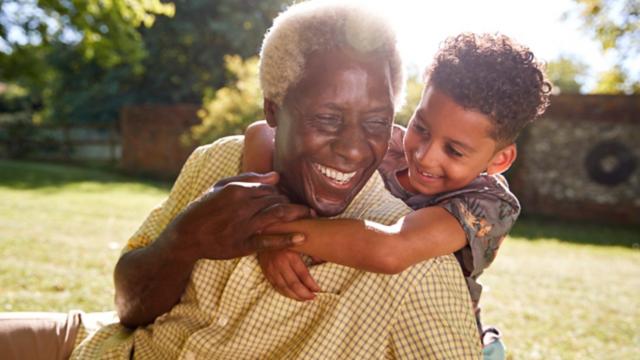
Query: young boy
{"points": [[480, 92]]}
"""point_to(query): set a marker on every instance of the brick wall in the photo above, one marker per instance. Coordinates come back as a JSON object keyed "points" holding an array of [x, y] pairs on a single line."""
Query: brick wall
{"points": [[151, 138]]}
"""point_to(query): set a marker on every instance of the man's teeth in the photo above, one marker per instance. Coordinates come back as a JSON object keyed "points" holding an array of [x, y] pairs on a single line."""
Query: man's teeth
{"points": [[334, 174]]}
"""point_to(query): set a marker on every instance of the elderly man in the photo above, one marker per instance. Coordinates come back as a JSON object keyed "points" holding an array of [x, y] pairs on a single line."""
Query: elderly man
{"points": [[187, 285]]}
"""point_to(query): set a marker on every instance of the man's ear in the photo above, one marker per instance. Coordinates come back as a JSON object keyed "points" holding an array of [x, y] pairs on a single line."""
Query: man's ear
{"points": [[502, 160], [271, 112]]}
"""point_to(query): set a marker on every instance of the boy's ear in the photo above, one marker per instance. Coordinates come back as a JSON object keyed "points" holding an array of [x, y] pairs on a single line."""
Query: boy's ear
{"points": [[270, 112], [502, 160]]}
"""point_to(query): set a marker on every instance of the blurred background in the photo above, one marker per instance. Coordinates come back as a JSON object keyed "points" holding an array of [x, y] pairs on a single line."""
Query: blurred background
{"points": [[101, 101]]}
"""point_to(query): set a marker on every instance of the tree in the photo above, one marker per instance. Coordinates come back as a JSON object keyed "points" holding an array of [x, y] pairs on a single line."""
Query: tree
{"points": [[104, 30], [616, 25], [86, 59], [186, 52], [231, 108], [565, 74], [614, 81], [414, 88]]}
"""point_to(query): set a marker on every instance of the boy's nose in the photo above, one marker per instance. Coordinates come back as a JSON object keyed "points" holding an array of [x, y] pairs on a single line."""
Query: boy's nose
{"points": [[426, 155]]}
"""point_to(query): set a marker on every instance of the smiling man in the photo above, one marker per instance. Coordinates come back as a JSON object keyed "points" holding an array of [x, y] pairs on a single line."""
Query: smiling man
{"points": [[331, 77], [333, 128], [187, 284]]}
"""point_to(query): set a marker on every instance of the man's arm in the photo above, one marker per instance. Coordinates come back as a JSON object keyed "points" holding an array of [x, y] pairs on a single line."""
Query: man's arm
{"points": [[219, 225]]}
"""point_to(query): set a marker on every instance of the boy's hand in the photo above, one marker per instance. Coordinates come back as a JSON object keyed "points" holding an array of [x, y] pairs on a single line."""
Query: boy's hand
{"points": [[288, 274]]}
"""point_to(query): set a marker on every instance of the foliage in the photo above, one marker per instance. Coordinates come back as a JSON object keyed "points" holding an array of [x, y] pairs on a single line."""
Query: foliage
{"points": [[616, 25], [614, 81], [565, 74], [186, 52], [86, 70], [14, 98], [414, 88], [231, 108], [104, 30]]}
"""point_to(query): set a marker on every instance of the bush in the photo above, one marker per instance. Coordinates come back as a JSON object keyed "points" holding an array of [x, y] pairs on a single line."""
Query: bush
{"points": [[228, 110]]}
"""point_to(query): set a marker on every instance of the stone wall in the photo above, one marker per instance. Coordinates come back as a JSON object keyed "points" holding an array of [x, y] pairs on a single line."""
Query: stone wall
{"points": [[151, 138], [582, 160]]}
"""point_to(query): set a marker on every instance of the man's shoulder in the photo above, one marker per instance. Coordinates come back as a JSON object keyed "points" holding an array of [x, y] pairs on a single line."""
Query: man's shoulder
{"points": [[375, 203], [224, 145], [221, 158]]}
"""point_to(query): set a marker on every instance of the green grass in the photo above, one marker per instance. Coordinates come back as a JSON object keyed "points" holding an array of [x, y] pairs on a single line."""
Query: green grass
{"points": [[558, 290], [61, 231]]}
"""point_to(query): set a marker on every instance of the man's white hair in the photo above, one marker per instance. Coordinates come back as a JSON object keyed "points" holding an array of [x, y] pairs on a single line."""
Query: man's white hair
{"points": [[323, 25]]}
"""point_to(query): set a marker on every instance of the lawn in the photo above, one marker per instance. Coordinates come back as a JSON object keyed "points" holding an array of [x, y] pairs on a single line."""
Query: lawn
{"points": [[557, 290]]}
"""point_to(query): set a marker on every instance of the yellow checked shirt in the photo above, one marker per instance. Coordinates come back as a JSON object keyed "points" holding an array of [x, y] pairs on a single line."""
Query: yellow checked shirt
{"points": [[230, 311]]}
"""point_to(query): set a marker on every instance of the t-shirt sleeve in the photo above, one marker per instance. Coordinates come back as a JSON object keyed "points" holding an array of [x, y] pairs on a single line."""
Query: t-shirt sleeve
{"points": [[394, 158], [486, 218]]}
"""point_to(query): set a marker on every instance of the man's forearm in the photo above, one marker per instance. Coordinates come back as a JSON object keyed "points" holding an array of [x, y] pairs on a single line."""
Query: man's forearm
{"points": [[150, 281]]}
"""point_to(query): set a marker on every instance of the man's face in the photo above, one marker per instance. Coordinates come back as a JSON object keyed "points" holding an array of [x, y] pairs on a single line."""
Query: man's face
{"points": [[333, 130]]}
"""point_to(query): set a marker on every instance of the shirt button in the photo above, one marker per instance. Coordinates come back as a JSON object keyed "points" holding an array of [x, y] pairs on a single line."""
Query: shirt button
{"points": [[223, 320]]}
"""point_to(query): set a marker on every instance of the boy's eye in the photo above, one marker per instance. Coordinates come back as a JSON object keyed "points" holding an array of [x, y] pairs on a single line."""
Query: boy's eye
{"points": [[451, 150], [419, 128]]}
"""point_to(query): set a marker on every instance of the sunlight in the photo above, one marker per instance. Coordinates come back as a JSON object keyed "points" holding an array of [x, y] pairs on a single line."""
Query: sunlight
{"points": [[422, 25]]}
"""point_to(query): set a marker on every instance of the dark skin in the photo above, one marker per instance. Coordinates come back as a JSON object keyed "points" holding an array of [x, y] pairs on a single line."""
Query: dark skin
{"points": [[339, 118], [149, 281]]}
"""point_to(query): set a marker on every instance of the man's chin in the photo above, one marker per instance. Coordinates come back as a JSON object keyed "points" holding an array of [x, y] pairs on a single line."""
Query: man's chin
{"points": [[329, 211], [330, 207]]}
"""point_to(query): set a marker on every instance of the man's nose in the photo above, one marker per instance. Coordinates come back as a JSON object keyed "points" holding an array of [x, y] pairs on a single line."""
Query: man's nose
{"points": [[351, 144]]}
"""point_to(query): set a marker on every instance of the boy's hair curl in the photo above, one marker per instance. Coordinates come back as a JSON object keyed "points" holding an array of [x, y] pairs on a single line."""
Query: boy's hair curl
{"points": [[494, 75]]}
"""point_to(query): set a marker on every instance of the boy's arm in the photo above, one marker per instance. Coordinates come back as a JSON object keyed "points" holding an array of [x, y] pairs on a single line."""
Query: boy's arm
{"points": [[421, 235], [258, 148]]}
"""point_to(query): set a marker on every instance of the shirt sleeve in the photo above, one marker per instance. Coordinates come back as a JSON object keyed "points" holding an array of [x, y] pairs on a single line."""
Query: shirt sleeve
{"points": [[182, 193], [204, 167], [486, 218], [435, 320]]}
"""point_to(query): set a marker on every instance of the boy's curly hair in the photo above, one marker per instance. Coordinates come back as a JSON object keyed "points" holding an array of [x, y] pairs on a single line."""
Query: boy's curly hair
{"points": [[494, 75]]}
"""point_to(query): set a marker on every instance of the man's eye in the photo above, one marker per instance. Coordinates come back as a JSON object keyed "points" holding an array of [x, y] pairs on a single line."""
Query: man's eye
{"points": [[326, 121], [377, 124]]}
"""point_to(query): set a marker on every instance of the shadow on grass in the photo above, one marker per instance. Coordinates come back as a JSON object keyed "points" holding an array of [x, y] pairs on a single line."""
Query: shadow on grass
{"points": [[539, 228], [28, 175]]}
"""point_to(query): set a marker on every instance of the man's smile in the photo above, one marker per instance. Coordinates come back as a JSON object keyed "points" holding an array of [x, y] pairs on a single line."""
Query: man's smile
{"points": [[335, 176]]}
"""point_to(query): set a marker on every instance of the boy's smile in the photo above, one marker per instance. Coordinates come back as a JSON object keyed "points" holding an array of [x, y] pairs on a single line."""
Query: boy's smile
{"points": [[447, 146]]}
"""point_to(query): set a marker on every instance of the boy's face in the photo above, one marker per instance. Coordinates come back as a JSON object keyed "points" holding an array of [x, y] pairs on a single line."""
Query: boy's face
{"points": [[447, 146]]}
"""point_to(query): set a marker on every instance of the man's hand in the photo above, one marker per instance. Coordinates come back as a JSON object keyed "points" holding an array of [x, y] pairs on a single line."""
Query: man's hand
{"points": [[221, 223], [288, 274]]}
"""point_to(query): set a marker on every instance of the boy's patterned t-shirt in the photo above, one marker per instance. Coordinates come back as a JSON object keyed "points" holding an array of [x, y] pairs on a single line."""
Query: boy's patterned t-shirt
{"points": [[485, 209]]}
